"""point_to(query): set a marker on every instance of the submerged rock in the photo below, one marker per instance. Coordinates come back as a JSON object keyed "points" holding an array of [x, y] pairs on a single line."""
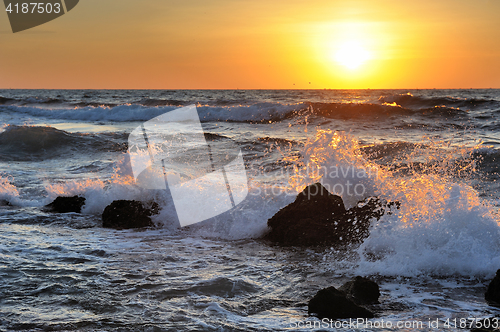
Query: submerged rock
{"points": [[123, 214], [66, 204], [361, 290], [487, 324], [492, 295], [332, 303], [317, 217], [490, 322]]}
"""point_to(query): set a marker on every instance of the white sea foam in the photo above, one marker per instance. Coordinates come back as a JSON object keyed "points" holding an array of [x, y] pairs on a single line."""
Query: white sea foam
{"points": [[456, 237], [442, 228]]}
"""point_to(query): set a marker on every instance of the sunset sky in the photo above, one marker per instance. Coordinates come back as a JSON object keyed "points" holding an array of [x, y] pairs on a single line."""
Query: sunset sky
{"points": [[258, 44]]}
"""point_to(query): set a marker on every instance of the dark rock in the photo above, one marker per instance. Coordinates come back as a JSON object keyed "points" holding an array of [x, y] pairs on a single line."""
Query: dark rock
{"points": [[4, 202], [333, 304], [66, 204], [492, 295], [155, 208], [486, 324], [317, 217], [361, 290], [123, 214]]}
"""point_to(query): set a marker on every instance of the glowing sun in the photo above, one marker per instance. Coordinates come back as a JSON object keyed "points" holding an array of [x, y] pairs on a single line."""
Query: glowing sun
{"points": [[352, 55]]}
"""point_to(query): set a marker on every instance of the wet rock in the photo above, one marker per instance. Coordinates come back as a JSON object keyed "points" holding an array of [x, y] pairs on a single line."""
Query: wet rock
{"points": [[123, 214], [361, 290], [484, 329], [66, 204], [486, 325], [331, 303], [492, 294], [317, 217]]}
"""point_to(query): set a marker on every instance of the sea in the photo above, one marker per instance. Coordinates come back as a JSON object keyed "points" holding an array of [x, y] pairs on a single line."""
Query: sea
{"points": [[436, 152]]}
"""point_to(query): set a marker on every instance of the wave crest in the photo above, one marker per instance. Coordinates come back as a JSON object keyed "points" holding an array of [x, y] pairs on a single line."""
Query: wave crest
{"points": [[24, 143]]}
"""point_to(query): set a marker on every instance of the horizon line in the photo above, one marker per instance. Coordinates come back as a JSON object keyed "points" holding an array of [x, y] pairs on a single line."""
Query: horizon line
{"points": [[250, 89]]}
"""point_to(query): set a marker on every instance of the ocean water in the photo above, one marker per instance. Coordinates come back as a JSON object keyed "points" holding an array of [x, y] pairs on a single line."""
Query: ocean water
{"points": [[435, 151]]}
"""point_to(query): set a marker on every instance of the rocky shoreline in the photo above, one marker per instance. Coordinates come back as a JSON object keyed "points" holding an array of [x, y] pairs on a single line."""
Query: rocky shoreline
{"points": [[316, 218]]}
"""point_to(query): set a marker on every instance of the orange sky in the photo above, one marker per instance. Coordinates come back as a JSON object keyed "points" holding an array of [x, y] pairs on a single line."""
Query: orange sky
{"points": [[256, 44]]}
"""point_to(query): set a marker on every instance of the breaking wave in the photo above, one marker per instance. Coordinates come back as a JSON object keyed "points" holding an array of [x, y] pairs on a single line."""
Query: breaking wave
{"points": [[442, 228], [256, 113], [417, 102]]}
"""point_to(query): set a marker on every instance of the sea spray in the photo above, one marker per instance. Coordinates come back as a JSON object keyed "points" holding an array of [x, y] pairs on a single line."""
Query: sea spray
{"points": [[443, 226], [8, 192], [335, 160]]}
